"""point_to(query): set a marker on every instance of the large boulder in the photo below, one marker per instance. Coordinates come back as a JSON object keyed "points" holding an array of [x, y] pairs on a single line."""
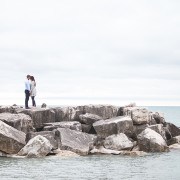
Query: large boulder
{"points": [[118, 142], [9, 109], [39, 116], [139, 115], [38, 146], [75, 141], [120, 124], [11, 140], [50, 135], [89, 118], [104, 111], [21, 122], [151, 141], [159, 129], [174, 130], [74, 125]]}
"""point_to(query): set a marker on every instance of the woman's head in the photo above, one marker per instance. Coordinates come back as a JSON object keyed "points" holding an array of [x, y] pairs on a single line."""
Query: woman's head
{"points": [[32, 78]]}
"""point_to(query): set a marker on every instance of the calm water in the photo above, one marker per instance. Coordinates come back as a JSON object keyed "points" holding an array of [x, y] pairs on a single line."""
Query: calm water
{"points": [[154, 166]]}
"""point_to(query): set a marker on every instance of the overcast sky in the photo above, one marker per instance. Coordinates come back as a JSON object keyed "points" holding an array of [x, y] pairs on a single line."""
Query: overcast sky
{"points": [[96, 51]]}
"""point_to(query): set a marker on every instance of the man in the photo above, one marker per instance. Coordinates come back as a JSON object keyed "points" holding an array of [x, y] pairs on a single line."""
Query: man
{"points": [[27, 91]]}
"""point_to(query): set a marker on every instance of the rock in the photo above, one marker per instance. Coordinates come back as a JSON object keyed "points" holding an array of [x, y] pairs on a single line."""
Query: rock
{"points": [[133, 153], [66, 114], [75, 141], [159, 117], [174, 130], [3, 154], [89, 118], [86, 128], [118, 142], [65, 153], [104, 111], [74, 125], [151, 121], [38, 146], [139, 115], [120, 124], [151, 141], [21, 122], [9, 109], [11, 140], [39, 116], [102, 150], [139, 128], [44, 105], [159, 129], [174, 146], [50, 135], [174, 140]]}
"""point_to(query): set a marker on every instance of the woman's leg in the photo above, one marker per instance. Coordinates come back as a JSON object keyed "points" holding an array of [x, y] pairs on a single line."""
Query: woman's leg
{"points": [[33, 101]]}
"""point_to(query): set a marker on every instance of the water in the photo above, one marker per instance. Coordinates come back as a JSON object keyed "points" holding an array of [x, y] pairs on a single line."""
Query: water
{"points": [[157, 166]]}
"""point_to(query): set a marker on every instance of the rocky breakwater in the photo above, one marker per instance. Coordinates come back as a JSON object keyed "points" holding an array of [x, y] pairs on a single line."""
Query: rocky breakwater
{"points": [[84, 130]]}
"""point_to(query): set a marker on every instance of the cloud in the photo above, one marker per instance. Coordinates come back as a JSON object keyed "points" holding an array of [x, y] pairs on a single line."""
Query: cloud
{"points": [[124, 50]]}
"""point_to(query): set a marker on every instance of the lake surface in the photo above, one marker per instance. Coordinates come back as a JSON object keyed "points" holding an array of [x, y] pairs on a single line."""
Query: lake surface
{"points": [[157, 166]]}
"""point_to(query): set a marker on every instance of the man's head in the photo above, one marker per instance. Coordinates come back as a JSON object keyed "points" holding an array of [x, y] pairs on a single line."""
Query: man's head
{"points": [[28, 77]]}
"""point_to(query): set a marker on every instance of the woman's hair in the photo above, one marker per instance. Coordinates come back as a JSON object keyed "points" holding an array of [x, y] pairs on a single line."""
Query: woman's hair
{"points": [[32, 78]]}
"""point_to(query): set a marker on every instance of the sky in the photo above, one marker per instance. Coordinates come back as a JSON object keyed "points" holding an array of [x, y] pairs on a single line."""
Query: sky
{"points": [[91, 52]]}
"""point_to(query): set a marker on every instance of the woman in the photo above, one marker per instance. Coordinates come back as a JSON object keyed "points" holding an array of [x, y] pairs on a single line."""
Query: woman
{"points": [[33, 90]]}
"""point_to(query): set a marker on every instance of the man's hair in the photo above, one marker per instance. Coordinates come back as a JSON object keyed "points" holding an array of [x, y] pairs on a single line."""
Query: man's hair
{"points": [[28, 76]]}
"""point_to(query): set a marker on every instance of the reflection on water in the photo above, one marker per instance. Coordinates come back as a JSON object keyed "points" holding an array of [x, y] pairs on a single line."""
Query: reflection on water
{"points": [[154, 166]]}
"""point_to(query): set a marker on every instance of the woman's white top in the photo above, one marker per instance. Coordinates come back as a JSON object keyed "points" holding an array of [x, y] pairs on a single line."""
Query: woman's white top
{"points": [[33, 88]]}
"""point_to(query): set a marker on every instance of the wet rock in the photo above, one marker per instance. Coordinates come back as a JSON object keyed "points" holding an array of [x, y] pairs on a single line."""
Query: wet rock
{"points": [[75, 141], [118, 142], [11, 140], [159, 129], [133, 153], [65, 153], [174, 146], [120, 124], [21, 122], [89, 118], [151, 141], [74, 125], [102, 150], [39, 116], [38, 146], [50, 135]]}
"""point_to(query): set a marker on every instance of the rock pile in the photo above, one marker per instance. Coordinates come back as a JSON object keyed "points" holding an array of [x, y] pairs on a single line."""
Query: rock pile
{"points": [[84, 130]]}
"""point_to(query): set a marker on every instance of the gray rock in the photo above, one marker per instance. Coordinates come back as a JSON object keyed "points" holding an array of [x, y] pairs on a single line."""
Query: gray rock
{"points": [[89, 118], [44, 105], [174, 140], [120, 124], [139, 115], [159, 117], [74, 125], [175, 146], [11, 140], [174, 130], [102, 150], [159, 129], [139, 128], [75, 141], [50, 135], [39, 116], [38, 146], [151, 121], [151, 141], [21, 122], [9, 109], [118, 142], [86, 128]]}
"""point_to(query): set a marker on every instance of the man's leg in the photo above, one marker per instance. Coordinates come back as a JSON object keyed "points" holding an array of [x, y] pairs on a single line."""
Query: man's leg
{"points": [[27, 98]]}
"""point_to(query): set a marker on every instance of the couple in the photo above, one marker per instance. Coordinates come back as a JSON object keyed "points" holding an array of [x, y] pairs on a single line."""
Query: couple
{"points": [[30, 90]]}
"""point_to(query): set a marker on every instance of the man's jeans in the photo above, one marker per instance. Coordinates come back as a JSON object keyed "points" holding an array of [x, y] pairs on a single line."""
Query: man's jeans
{"points": [[27, 93]]}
